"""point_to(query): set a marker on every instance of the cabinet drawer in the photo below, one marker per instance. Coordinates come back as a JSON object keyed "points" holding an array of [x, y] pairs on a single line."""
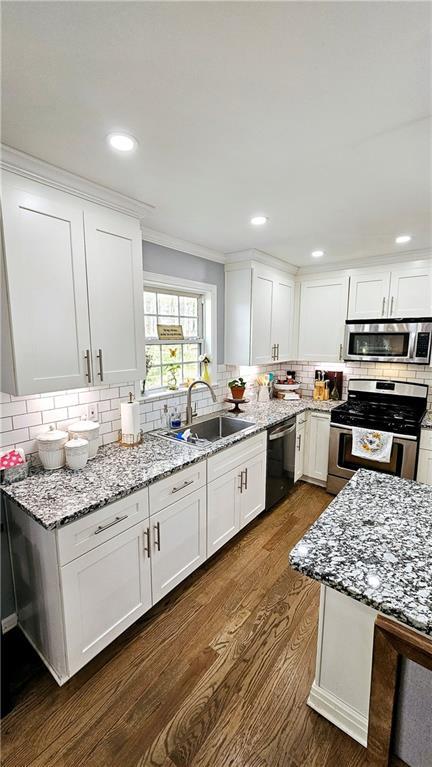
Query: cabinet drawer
{"points": [[235, 456], [95, 528], [426, 439], [176, 486]]}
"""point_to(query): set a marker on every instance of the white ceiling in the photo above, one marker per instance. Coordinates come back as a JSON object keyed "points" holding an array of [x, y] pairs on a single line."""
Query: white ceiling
{"points": [[315, 114]]}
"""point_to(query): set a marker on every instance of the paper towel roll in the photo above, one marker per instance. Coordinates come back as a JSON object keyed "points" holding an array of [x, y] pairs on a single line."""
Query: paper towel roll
{"points": [[130, 422]]}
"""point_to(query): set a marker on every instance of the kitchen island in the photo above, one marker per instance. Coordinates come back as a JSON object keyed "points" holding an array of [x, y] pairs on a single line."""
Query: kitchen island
{"points": [[371, 550]]}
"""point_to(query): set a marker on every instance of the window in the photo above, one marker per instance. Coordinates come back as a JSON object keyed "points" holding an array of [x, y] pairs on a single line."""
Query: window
{"points": [[172, 308]]}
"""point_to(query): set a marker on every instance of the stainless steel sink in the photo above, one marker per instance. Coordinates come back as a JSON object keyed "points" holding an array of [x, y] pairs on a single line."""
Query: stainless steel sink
{"points": [[208, 430]]}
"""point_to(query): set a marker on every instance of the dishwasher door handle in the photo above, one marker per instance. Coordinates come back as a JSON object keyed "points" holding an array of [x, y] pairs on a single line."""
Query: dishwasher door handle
{"points": [[278, 434]]}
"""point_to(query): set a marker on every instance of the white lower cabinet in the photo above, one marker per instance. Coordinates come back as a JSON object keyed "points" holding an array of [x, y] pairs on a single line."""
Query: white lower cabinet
{"points": [[300, 446], [178, 535], [424, 468], [317, 446], [223, 510], [252, 493], [104, 592], [80, 586], [236, 489]]}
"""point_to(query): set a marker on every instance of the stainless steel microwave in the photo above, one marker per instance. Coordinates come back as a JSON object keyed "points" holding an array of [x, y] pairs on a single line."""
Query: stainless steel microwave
{"points": [[405, 340]]}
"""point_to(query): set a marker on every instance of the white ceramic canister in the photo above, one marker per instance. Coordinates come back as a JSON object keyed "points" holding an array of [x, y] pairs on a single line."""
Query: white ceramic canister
{"points": [[51, 448], [77, 452], [88, 430]]}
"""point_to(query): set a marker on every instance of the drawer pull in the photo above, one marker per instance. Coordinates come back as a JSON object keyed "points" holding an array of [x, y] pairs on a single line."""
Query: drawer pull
{"points": [[157, 538], [101, 528], [181, 487]]}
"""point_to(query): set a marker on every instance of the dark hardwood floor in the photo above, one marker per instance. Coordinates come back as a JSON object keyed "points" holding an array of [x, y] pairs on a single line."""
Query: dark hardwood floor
{"points": [[217, 675]]}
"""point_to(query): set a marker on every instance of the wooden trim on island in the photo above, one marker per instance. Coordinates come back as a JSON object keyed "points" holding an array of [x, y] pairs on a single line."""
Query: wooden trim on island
{"points": [[392, 641]]}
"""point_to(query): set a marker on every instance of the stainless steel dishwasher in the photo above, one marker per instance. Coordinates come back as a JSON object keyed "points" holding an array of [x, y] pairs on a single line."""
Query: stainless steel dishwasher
{"points": [[281, 443]]}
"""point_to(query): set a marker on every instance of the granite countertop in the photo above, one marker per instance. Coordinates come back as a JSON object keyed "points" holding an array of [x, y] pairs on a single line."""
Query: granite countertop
{"points": [[55, 498], [427, 420], [374, 544]]}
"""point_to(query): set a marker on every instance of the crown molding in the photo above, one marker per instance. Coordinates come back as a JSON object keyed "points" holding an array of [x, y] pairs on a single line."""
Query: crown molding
{"points": [[184, 246], [261, 257], [33, 168], [423, 254]]}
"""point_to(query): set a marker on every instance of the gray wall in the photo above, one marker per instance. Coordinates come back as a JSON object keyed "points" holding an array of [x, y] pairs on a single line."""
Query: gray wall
{"points": [[173, 263]]}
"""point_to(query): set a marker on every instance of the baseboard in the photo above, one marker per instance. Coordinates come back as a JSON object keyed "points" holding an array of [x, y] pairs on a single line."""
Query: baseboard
{"points": [[9, 622], [313, 481], [339, 713]]}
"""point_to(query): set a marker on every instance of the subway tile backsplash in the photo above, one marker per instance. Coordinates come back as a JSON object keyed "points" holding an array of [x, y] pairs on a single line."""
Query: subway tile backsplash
{"points": [[23, 418]]}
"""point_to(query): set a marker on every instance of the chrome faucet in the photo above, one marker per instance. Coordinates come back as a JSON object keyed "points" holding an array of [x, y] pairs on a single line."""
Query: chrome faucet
{"points": [[189, 413]]}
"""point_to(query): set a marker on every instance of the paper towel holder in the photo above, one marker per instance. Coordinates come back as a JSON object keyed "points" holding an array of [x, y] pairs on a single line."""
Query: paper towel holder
{"points": [[127, 440]]}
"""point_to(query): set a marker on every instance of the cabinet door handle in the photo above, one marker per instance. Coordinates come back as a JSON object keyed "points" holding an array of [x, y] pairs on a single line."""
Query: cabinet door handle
{"points": [[99, 357], [299, 441], [101, 528], [241, 482], [340, 351], [147, 542], [157, 536], [87, 359], [181, 487], [383, 307], [245, 478], [277, 351], [391, 305]]}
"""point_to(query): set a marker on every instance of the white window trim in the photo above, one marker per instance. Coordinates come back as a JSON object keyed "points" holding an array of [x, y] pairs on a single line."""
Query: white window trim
{"points": [[209, 293]]}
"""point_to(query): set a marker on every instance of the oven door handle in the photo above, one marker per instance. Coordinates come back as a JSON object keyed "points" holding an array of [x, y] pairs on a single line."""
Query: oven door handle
{"points": [[396, 437], [278, 434]]}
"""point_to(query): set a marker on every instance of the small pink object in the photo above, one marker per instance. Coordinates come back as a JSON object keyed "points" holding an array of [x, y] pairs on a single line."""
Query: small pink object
{"points": [[11, 459]]}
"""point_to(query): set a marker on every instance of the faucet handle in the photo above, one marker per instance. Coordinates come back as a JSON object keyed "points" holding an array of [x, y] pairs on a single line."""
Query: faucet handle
{"points": [[195, 410]]}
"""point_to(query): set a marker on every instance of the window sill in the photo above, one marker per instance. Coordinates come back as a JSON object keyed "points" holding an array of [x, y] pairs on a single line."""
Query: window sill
{"points": [[153, 396]]}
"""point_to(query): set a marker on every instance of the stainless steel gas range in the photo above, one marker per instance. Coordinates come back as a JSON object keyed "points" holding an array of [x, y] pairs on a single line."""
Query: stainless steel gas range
{"points": [[391, 406]]}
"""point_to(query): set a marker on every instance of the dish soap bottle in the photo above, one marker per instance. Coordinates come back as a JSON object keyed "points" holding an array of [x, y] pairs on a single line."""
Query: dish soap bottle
{"points": [[334, 392]]}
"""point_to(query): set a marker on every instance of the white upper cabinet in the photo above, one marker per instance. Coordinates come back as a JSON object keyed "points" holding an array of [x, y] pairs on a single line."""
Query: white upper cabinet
{"points": [[45, 274], [73, 286], [399, 292], [323, 308], [259, 308], [262, 309], [282, 326], [369, 295], [114, 268], [411, 293]]}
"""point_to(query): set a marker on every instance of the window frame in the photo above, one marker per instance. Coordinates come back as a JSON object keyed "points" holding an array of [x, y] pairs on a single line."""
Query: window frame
{"points": [[197, 340], [208, 292]]}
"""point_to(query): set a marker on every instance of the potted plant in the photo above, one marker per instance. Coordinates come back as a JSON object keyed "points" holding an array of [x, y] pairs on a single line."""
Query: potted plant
{"points": [[148, 365], [237, 386], [172, 370], [205, 360]]}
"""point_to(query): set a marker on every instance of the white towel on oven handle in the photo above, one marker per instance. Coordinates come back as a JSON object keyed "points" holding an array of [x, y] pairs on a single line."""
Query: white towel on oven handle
{"points": [[373, 444]]}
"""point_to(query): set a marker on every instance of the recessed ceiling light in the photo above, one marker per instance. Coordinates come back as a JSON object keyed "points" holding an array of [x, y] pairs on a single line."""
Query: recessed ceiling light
{"points": [[403, 238], [258, 220], [317, 253], [122, 142]]}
